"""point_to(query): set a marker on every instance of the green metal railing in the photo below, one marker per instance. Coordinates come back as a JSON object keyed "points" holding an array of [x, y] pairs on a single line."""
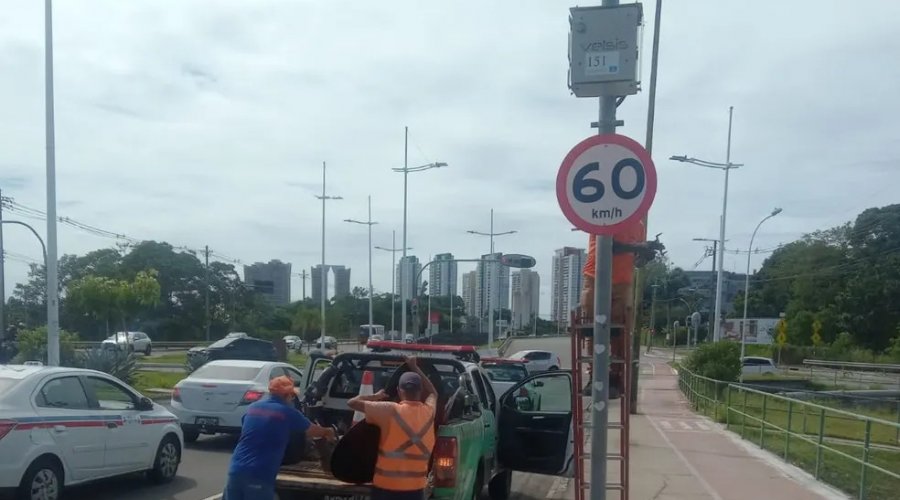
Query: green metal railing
{"points": [[857, 453]]}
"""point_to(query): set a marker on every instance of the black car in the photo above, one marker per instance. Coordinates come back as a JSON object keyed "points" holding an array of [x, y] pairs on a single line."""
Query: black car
{"points": [[247, 348]]}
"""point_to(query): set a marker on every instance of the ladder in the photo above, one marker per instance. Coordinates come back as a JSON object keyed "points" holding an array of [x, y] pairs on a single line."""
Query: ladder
{"points": [[582, 333]]}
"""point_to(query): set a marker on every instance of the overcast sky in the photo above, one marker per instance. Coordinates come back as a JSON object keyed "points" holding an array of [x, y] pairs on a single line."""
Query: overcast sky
{"points": [[206, 123]]}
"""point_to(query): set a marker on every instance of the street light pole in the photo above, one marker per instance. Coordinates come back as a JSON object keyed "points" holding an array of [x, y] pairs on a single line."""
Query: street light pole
{"points": [[368, 222], [323, 273], [747, 283], [727, 167], [51, 262], [406, 170], [393, 251], [490, 304]]}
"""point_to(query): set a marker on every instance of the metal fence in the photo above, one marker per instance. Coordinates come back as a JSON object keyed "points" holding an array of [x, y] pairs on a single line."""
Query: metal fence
{"points": [[855, 452]]}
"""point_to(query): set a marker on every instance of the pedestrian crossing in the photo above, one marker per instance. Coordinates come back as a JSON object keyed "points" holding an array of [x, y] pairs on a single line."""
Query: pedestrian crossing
{"points": [[683, 425]]}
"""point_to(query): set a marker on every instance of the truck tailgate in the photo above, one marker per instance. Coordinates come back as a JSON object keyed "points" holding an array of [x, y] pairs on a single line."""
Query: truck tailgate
{"points": [[315, 483]]}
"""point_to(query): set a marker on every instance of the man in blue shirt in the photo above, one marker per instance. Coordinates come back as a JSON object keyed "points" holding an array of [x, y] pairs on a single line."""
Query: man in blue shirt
{"points": [[265, 433]]}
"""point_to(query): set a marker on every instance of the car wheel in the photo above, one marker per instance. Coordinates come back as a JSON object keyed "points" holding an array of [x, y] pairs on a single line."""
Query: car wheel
{"points": [[148, 350], [500, 487], [42, 481], [168, 456], [190, 435]]}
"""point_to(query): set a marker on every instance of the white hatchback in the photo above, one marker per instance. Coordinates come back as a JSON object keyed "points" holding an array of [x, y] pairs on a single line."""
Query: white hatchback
{"points": [[214, 398], [538, 361], [65, 426], [755, 365]]}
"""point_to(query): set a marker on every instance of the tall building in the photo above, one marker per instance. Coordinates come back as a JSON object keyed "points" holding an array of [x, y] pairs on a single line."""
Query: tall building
{"points": [[566, 280], [469, 292], [493, 283], [526, 297], [442, 276], [341, 281], [703, 284], [407, 270], [272, 280]]}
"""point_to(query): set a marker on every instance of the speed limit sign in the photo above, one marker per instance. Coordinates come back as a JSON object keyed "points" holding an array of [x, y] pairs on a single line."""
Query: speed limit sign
{"points": [[605, 184]]}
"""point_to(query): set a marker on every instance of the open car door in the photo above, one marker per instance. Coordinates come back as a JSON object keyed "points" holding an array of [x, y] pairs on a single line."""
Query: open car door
{"points": [[535, 425], [314, 369]]}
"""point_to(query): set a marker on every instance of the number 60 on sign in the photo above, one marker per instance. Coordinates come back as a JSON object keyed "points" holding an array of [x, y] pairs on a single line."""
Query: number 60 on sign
{"points": [[606, 183]]}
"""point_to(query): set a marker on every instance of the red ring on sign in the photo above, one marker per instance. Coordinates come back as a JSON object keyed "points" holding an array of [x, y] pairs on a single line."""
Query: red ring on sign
{"points": [[569, 162]]}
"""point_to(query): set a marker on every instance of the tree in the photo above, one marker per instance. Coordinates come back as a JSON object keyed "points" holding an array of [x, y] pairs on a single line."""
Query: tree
{"points": [[306, 321], [113, 299]]}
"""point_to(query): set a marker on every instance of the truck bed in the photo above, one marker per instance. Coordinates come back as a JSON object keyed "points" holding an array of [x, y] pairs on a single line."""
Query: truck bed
{"points": [[309, 477]]}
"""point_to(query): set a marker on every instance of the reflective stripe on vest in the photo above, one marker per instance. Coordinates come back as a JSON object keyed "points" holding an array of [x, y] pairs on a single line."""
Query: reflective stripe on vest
{"points": [[405, 466]]}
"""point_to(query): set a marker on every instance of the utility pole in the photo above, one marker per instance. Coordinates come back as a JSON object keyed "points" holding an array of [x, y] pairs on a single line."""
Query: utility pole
{"points": [[206, 289], [52, 263], [324, 271], [2, 276], [393, 251], [303, 276], [368, 222], [652, 316], [494, 266]]}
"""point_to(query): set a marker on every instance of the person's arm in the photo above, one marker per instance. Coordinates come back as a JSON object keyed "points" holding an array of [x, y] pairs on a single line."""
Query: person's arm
{"points": [[428, 389], [299, 423], [358, 403], [316, 431]]}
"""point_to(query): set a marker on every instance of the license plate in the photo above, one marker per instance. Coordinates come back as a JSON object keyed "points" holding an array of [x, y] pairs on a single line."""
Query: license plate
{"points": [[206, 421]]}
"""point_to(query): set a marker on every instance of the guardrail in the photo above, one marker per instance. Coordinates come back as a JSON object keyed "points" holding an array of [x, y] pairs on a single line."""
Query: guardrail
{"points": [[176, 344], [857, 453], [856, 366]]}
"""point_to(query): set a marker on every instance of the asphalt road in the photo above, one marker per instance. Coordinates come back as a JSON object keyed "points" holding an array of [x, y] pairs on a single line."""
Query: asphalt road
{"points": [[201, 475]]}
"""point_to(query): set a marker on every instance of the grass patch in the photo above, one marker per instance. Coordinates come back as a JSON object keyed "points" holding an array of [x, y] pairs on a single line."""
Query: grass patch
{"points": [[837, 466], [144, 380], [298, 359]]}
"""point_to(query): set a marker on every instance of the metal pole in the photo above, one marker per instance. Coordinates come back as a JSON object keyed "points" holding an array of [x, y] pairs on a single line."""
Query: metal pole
{"points": [[452, 294], [602, 312], [652, 317], [206, 289], [393, 279], [323, 273], [52, 278], [403, 285], [370, 266], [2, 276], [747, 284], [490, 304], [719, 275]]}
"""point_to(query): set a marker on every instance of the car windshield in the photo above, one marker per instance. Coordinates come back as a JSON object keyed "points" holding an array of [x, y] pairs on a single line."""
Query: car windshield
{"points": [[116, 336], [226, 372], [505, 372]]}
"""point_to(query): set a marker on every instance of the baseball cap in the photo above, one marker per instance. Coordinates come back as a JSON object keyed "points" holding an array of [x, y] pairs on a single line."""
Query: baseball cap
{"points": [[411, 382]]}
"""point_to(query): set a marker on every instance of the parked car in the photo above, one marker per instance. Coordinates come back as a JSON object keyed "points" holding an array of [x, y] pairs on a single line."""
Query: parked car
{"points": [[538, 361], [214, 398], [248, 348], [129, 341], [504, 373], [409, 338], [755, 365], [376, 337], [65, 426], [293, 342], [326, 342]]}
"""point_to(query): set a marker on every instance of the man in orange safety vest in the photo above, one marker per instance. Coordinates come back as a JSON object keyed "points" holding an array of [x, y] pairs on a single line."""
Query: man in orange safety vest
{"points": [[407, 435]]}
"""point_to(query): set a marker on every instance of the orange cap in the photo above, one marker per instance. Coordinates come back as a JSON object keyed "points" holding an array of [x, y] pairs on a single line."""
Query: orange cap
{"points": [[281, 386]]}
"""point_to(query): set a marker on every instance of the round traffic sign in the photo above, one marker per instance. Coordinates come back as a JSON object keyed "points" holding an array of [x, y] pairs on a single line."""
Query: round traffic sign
{"points": [[606, 183]]}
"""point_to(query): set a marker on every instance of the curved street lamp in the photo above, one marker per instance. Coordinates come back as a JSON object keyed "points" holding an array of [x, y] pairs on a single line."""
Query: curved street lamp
{"points": [[747, 283]]}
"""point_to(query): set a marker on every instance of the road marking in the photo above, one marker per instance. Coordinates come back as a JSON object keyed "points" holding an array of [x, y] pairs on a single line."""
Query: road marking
{"points": [[687, 464], [665, 424], [557, 487], [685, 426], [702, 425], [214, 497]]}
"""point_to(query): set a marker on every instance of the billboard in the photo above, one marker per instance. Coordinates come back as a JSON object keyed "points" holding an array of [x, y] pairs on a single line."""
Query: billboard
{"points": [[758, 330]]}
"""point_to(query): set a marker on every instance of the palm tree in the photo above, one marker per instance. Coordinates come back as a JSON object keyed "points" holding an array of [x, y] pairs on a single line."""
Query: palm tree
{"points": [[306, 319]]}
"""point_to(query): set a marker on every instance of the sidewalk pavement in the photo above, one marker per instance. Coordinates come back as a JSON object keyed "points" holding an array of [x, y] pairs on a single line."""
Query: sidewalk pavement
{"points": [[679, 455]]}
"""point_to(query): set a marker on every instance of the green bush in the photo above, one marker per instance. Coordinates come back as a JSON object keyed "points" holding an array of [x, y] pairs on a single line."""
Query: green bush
{"points": [[119, 364], [32, 345], [717, 360]]}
